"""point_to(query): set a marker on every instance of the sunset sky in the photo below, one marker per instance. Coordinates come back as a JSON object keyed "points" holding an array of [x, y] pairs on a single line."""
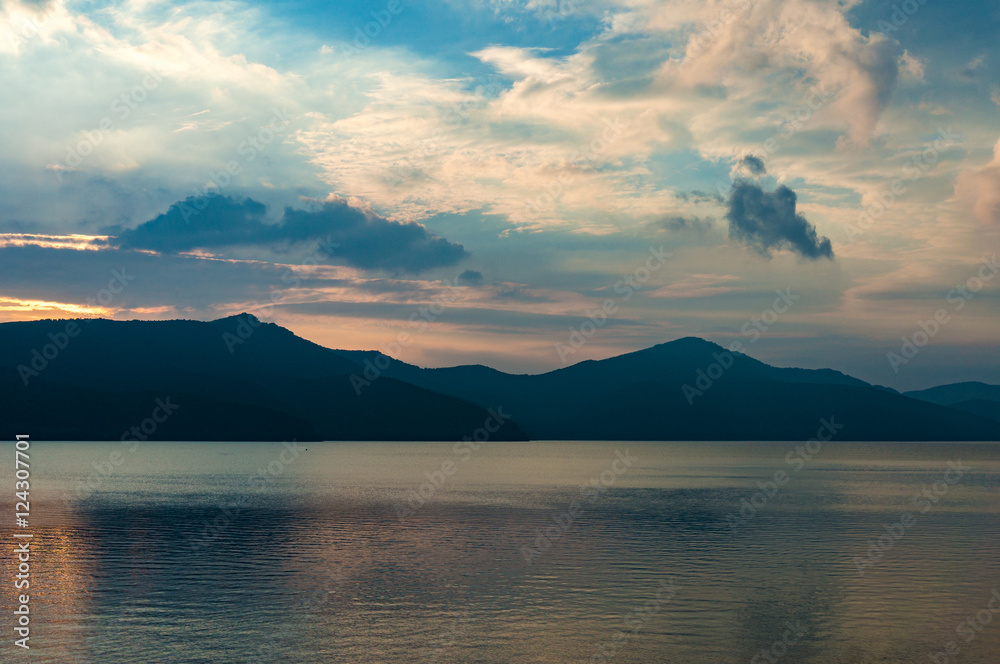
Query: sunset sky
{"points": [[338, 168]]}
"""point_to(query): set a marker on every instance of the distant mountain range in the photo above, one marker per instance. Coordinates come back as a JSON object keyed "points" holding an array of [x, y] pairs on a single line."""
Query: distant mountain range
{"points": [[973, 397], [240, 379]]}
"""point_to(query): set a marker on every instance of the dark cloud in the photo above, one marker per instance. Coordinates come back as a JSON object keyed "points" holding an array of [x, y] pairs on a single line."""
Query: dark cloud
{"points": [[470, 278], [881, 62], [698, 196], [345, 234], [517, 294], [754, 165], [974, 68], [678, 223], [767, 220]]}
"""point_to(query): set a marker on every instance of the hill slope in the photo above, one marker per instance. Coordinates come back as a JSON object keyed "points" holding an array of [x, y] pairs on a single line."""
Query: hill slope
{"points": [[235, 379], [729, 396]]}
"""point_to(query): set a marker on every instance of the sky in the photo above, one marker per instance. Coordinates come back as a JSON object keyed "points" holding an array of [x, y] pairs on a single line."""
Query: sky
{"points": [[519, 183]]}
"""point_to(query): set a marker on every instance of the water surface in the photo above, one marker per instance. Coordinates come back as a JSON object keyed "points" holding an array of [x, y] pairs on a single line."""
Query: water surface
{"points": [[546, 552]]}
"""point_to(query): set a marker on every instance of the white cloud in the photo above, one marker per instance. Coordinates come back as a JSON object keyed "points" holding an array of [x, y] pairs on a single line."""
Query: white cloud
{"points": [[911, 67], [157, 98], [980, 187], [513, 149]]}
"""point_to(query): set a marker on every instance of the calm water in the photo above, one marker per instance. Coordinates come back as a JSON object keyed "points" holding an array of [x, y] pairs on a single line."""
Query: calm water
{"points": [[229, 553]]}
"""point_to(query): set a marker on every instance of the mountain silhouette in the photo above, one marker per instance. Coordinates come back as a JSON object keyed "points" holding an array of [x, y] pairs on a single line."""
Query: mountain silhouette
{"points": [[234, 379], [641, 396], [238, 378], [971, 397]]}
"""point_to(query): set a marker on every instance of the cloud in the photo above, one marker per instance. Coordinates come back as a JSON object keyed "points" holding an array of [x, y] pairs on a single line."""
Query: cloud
{"points": [[76, 241], [697, 286], [933, 109], [767, 220], [911, 67], [751, 165], [357, 237], [878, 70], [518, 294], [420, 145], [973, 68], [470, 278], [699, 196], [739, 52], [678, 223], [981, 188]]}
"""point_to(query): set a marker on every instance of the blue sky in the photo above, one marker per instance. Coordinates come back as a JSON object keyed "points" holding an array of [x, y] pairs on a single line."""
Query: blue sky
{"points": [[215, 148]]}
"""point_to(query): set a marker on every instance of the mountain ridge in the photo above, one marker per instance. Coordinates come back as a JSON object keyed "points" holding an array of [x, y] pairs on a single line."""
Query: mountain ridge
{"points": [[253, 368], [264, 380], [565, 402]]}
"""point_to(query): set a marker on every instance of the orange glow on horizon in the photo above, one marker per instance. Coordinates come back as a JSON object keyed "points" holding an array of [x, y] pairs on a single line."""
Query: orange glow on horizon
{"points": [[72, 241], [39, 309]]}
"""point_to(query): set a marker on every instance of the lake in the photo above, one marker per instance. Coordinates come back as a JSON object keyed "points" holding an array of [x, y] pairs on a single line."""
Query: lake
{"points": [[544, 552]]}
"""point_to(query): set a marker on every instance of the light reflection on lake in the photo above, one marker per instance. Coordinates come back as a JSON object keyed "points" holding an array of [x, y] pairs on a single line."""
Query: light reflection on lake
{"points": [[419, 552]]}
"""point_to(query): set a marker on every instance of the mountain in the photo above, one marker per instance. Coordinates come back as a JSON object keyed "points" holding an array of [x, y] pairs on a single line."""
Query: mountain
{"points": [[981, 407], [240, 379], [233, 379], [691, 389], [972, 397], [947, 395]]}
